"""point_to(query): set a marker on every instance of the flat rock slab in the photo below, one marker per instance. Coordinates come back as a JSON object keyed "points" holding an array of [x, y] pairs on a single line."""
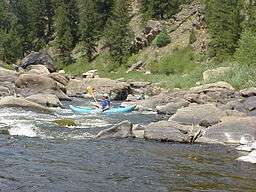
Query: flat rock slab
{"points": [[21, 102], [230, 130], [48, 100], [166, 131], [204, 115]]}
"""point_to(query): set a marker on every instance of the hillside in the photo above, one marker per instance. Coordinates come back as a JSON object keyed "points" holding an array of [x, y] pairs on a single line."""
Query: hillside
{"points": [[172, 42]]}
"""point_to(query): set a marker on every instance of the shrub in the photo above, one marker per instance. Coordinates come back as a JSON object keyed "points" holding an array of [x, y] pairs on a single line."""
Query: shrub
{"points": [[246, 53], [180, 62], [162, 39]]}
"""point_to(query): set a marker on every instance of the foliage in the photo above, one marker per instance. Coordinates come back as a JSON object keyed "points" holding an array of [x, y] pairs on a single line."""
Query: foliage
{"points": [[180, 62], [162, 39], [246, 53], [88, 26], [192, 37], [119, 35], [224, 23], [160, 9]]}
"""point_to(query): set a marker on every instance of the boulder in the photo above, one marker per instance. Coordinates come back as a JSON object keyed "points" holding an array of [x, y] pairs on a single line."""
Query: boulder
{"points": [[168, 131], [204, 115], [59, 78], [171, 108], [230, 130], [76, 87], [136, 66], [38, 69], [215, 73], [248, 92], [117, 90], [7, 79], [38, 58], [20, 102], [90, 74], [48, 100], [213, 86], [30, 84], [121, 130]]}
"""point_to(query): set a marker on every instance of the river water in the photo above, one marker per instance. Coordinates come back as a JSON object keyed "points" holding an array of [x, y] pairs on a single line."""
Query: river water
{"points": [[41, 156]]}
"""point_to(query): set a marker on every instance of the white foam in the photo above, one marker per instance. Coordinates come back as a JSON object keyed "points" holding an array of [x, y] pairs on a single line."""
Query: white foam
{"points": [[23, 130], [250, 158], [246, 139]]}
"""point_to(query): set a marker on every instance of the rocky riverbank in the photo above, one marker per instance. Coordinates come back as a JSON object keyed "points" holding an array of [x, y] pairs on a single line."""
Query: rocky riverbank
{"points": [[210, 113]]}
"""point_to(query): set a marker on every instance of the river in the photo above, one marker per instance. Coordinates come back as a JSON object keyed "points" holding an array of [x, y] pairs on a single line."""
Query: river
{"points": [[43, 157]]}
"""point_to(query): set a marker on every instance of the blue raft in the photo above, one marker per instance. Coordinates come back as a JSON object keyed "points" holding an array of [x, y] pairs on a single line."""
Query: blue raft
{"points": [[120, 109]]}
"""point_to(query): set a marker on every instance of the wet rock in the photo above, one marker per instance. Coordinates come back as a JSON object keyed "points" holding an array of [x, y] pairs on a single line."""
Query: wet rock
{"points": [[121, 130], [215, 73], [20, 102], [65, 122], [248, 92], [48, 100], [38, 58], [250, 158], [138, 131], [204, 115], [171, 108], [230, 130]]}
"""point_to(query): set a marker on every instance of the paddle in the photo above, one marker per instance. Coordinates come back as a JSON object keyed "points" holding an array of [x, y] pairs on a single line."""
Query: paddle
{"points": [[90, 91]]}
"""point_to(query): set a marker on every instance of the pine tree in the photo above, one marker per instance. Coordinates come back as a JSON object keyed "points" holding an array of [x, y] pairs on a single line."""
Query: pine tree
{"points": [[88, 26], [104, 10], [119, 35], [63, 33], [224, 22]]}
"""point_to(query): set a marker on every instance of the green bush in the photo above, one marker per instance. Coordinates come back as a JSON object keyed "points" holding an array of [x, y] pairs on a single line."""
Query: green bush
{"points": [[246, 53], [162, 39], [180, 62]]}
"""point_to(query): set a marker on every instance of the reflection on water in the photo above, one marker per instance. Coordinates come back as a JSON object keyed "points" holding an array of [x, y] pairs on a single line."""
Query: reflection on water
{"points": [[70, 159]]}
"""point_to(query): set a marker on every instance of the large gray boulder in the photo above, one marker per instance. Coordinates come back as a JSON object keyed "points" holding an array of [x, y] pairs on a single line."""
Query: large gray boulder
{"points": [[38, 58], [121, 130], [230, 130], [19, 102], [7, 79], [38, 69], [48, 100], [31, 84], [171, 131], [204, 115]]}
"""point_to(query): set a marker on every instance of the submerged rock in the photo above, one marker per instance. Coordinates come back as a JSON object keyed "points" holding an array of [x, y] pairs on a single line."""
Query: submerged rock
{"points": [[20, 102], [65, 122], [121, 130]]}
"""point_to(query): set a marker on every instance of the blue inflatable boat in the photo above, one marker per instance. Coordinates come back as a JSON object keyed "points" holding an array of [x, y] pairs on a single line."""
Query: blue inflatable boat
{"points": [[120, 109]]}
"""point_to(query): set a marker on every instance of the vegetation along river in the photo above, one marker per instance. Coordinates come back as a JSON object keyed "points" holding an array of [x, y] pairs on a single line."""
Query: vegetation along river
{"points": [[41, 156]]}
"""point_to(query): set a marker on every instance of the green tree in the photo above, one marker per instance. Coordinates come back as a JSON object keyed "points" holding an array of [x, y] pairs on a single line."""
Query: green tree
{"points": [[63, 33], [160, 9], [88, 26], [224, 22], [119, 35]]}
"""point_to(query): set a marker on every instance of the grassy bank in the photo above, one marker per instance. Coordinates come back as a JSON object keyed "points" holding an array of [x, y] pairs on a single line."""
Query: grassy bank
{"points": [[183, 69]]}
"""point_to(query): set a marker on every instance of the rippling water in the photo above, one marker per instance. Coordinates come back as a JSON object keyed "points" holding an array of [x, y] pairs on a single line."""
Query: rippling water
{"points": [[41, 156]]}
